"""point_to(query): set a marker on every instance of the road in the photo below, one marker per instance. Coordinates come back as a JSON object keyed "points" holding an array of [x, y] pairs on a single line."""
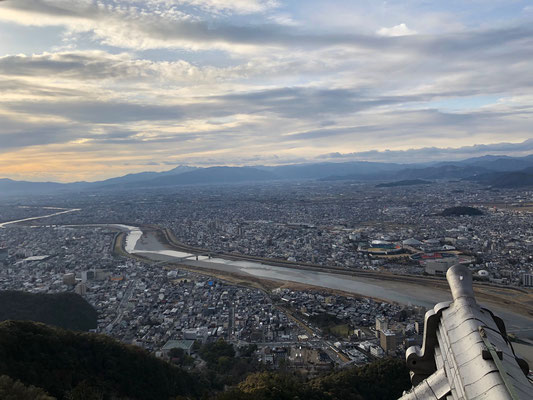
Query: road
{"points": [[65, 211], [121, 307]]}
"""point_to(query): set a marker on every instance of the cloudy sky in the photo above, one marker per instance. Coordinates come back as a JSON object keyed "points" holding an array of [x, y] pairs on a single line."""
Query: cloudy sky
{"points": [[94, 89]]}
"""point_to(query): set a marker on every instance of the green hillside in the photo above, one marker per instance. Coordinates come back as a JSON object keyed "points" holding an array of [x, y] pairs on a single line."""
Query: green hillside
{"points": [[381, 380], [39, 360], [64, 362], [65, 310], [16, 390]]}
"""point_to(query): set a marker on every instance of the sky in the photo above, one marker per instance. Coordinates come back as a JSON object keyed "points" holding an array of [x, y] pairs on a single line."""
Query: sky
{"points": [[94, 89]]}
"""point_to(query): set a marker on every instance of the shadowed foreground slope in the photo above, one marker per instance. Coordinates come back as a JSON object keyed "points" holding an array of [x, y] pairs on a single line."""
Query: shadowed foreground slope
{"points": [[61, 362], [65, 310], [75, 365], [381, 380], [16, 390]]}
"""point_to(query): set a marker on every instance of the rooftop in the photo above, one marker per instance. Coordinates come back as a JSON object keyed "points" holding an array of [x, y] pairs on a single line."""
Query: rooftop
{"points": [[466, 353]]}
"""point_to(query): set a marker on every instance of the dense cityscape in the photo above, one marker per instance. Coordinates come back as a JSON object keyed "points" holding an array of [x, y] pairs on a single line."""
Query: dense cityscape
{"points": [[161, 306]]}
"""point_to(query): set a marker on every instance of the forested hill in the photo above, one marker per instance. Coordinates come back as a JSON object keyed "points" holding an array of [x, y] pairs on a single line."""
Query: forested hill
{"points": [[43, 361], [64, 363], [380, 380], [16, 390], [65, 310]]}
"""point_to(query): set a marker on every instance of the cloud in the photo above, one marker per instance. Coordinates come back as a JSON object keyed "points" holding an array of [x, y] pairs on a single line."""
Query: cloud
{"points": [[236, 6], [77, 65], [433, 154], [156, 24], [397, 30], [299, 103], [130, 25], [210, 81], [99, 65]]}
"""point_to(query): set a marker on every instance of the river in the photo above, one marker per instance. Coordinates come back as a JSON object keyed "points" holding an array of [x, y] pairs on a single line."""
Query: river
{"points": [[148, 246]]}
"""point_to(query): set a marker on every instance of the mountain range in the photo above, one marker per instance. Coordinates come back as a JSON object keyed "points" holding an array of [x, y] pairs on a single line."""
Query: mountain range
{"points": [[495, 171]]}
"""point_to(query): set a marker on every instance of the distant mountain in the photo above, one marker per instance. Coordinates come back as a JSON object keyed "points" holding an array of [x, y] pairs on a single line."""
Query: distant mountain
{"points": [[441, 172], [211, 175], [141, 176], [464, 169], [481, 169], [416, 173], [410, 182], [323, 170], [10, 187], [499, 163], [65, 310], [507, 180], [23, 187]]}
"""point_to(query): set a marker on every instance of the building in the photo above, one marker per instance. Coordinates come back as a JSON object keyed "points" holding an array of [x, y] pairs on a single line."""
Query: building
{"points": [[380, 247], [483, 274], [387, 342], [185, 345], [381, 325], [305, 357], [527, 280], [81, 289], [359, 334], [412, 242], [87, 275], [376, 351], [101, 274], [200, 333], [439, 266], [69, 279]]}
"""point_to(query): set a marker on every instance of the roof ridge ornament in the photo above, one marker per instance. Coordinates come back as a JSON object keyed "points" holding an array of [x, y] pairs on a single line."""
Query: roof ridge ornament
{"points": [[459, 278], [465, 353]]}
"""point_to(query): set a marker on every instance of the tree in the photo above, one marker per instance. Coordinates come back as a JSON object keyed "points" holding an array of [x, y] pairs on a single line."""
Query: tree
{"points": [[16, 390], [180, 357], [211, 352], [84, 391], [247, 351], [58, 361]]}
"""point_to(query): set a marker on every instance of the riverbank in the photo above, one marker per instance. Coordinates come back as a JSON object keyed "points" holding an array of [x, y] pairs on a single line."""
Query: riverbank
{"points": [[517, 297], [512, 304]]}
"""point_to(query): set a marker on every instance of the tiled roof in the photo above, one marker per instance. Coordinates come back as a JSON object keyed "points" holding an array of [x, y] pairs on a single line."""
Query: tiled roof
{"points": [[455, 361]]}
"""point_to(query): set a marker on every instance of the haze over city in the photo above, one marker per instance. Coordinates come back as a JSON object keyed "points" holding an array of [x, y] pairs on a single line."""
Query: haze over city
{"points": [[92, 90]]}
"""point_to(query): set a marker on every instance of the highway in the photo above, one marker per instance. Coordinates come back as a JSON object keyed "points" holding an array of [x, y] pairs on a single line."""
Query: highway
{"points": [[65, 211]]}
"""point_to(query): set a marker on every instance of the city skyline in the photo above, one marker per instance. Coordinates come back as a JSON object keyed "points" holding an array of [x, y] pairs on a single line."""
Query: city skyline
{"points": [[93, 90]]}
